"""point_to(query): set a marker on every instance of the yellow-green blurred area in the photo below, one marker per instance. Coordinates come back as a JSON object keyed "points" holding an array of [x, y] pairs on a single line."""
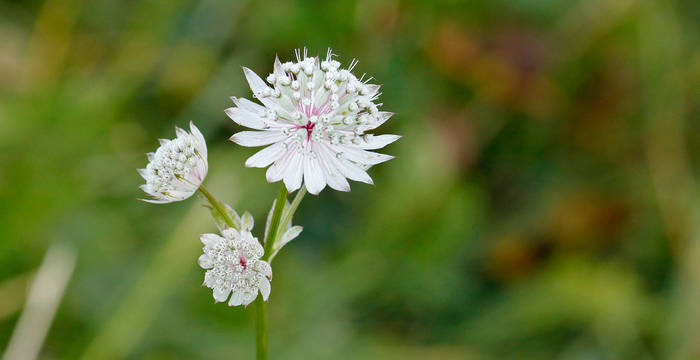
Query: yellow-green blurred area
{"points": [[543, 203]]}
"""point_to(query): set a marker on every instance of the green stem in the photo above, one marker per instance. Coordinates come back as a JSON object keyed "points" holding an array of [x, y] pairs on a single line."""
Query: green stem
{"points": [[275, 222], [279, 221], [261, 313], [260, 329], [217, 205]]}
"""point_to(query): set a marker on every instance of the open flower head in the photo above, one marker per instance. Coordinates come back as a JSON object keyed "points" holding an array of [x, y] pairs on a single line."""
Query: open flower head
{"points": [[315, 116], [234, 267], [177, 168]]}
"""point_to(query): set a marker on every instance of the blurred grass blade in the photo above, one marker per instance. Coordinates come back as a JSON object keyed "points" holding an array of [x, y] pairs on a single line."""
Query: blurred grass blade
{"points": [[50, 42], [662, 67], [44, 296]]}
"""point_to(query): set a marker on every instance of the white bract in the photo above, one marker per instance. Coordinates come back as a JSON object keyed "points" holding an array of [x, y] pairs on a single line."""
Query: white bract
{"points": [[315, 120], [234, 267], [177, 168]]}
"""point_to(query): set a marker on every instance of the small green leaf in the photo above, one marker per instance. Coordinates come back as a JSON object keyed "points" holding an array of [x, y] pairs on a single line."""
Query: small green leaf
{"points": [[288, 236], [269, 218], [219, 220], [247, 221]]}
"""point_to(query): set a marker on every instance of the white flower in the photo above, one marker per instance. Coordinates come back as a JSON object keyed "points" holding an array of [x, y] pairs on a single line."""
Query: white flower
{"points": [[315, 118], [177, 168], [234, 266]]}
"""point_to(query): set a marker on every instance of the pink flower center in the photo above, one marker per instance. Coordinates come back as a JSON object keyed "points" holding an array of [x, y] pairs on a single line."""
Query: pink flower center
{"points": [[309, 129], [242, 261]]}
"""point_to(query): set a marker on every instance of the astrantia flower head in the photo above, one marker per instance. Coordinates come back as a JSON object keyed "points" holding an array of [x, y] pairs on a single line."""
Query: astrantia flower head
{"points": [[315, 118], [234, 267], [177, 168]]}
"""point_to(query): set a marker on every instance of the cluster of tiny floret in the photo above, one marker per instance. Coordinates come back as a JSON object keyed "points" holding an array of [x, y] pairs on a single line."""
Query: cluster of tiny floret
{"points": [[234, 266], [330, 103], [173, 160]]}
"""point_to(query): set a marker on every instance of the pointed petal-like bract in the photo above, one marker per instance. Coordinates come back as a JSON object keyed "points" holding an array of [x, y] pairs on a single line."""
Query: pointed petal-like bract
{"points": [[257, 138], [245, 118], [313, 176], [378, 142], [266, 156]]}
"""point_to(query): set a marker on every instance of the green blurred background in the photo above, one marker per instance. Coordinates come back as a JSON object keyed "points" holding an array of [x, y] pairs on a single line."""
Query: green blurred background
{"points": [[542, 205]]}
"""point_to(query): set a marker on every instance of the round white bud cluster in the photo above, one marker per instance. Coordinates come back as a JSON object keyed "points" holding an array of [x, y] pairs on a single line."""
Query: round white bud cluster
{"points": [[177, 168], [234, 267], [322, 89]]}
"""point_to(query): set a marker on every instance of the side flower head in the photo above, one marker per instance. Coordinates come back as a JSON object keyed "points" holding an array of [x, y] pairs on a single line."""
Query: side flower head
{"points": [[315, 117], [177, 168], [234, 267]]}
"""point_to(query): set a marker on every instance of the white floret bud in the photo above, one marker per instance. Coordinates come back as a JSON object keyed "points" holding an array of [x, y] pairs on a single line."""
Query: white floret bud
{"points": [[308, 69], [284, 80]]}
